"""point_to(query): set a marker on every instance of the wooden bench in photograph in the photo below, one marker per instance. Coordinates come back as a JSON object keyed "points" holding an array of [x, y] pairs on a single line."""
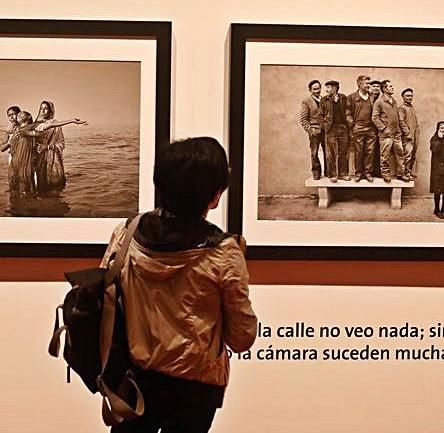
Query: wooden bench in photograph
{"points": [[324, 186]]}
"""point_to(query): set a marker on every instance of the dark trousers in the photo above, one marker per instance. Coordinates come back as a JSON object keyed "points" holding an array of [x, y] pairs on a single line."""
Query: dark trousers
{"points": [[173, 405], [197, 420], [315, 142], [364, 145], [337, 151], [377, 160]]}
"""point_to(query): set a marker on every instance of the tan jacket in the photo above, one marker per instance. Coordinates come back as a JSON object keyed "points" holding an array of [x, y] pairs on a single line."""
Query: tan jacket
{"points": [[386, 117], [408, 122], [182, 308], [309, 115]]}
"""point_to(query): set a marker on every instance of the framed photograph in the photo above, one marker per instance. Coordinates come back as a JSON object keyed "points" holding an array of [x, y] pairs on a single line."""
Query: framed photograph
{"points": [[330, 136], [85, 106]]}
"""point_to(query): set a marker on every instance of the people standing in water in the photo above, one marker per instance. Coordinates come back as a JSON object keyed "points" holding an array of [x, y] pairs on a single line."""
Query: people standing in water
{"points": [[437, 169], [49, 153], [48, 159], [22, 144], [20, 170]]}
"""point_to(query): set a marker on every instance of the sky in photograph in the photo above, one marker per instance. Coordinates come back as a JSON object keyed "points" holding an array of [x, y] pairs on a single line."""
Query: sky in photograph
{"points": [[103, 92]]}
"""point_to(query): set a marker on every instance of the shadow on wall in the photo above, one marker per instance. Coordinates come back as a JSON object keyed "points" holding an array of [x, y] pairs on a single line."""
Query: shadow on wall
{"points": [[284, 156]]}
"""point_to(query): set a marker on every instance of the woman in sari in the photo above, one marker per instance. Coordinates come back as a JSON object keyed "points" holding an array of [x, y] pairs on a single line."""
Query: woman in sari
{"points": [[26, 138], [48, 162]]}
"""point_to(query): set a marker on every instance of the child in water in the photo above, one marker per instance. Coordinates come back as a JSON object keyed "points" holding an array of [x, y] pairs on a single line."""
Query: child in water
{"points": [[22, 144], [12, 113], [20, 173]]}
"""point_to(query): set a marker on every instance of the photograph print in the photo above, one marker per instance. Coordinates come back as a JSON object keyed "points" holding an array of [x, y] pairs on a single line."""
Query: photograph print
{"points": [[336, 141], [357, 131], [84, 105], [69, 138]]}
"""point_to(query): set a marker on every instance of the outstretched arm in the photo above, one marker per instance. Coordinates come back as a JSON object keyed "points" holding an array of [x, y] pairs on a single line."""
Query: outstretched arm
{"points": [[29, 133], [42, 127], [63, 123]]}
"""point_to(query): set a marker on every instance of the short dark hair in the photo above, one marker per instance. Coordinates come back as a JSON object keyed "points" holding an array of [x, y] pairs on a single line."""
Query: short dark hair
{"points": [[14, 108], [384, 83], [406, 90], [375, 82], [189, 173], [313, 82]]}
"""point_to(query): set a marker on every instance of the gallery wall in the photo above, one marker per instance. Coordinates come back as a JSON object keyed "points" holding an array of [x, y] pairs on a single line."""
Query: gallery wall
{"points": [[264, 395], [200, 32], [200, 59]]}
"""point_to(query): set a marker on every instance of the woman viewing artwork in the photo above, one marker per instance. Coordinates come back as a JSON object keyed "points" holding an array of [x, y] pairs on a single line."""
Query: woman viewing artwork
{"points": [[437, 169]]}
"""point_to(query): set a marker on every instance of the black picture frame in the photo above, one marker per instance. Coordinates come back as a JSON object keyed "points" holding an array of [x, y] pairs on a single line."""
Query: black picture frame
{"points": [[240, 35], [161, 32]]}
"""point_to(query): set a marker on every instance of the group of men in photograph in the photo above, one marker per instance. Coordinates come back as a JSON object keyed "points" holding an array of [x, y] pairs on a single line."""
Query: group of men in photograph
{"points": [[360, 132]]}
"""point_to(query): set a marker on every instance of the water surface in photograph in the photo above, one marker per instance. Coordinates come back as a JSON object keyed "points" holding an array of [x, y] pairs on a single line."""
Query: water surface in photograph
{"points": [[102, 177]]}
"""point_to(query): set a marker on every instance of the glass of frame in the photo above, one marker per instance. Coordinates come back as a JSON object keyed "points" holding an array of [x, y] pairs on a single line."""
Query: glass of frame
{"points": [[289, 207], [94, 98]]}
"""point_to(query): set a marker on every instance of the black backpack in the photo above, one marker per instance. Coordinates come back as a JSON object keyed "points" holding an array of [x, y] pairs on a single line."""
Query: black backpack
{"points": [[96, 346]]}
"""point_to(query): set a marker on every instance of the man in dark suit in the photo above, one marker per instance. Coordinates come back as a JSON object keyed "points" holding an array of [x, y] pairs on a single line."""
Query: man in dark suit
{"points": [[309, 120], [332, 119]]}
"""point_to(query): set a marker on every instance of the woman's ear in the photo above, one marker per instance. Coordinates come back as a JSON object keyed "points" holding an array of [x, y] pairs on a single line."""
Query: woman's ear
{"points": [[215, 201]]}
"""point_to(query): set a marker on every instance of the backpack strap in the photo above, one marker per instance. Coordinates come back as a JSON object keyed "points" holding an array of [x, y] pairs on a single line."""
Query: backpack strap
{"points": [[118, 409], [121, 253]]}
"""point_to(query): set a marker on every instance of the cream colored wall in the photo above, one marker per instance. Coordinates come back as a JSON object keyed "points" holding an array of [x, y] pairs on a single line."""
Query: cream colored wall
{"points": [[262, 396], [34, 398]]}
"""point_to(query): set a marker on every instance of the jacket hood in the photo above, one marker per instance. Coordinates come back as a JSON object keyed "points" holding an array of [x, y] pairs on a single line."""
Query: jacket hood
{"points": [[161, 266], [164, 244]]}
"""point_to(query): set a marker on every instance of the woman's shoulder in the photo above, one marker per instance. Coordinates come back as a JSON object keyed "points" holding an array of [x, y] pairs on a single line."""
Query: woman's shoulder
{"points": [[233, 245]]}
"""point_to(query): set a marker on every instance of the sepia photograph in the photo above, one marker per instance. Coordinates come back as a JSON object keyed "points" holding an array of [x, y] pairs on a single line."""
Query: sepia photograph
{"points": [[84, 105], [69, 145], [338, 143]]}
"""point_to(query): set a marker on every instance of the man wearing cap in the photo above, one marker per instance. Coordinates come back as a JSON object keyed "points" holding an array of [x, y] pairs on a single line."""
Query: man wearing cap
{"points": [[359, 118], [309, 120], [386, 119], [409, 131], [332, 119], [375, 90]]}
